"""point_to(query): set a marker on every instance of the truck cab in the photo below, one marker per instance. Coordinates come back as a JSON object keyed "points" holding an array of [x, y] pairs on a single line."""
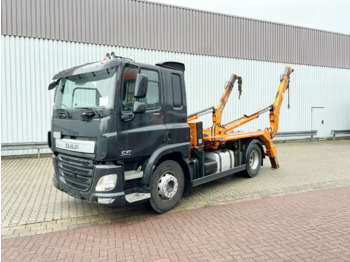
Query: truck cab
{"points": [[114, 122]]}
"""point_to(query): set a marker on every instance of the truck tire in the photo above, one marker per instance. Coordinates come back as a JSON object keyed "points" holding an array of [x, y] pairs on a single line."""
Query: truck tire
{"points": [[253, 160], [167, 186]]}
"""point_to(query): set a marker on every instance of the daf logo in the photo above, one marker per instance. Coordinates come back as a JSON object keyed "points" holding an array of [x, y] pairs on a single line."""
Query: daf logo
{"points": [[76, 145], [72, 146]]}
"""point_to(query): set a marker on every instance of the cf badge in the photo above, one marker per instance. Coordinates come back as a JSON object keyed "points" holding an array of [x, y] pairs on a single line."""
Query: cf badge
{"points": [[126, 153]]}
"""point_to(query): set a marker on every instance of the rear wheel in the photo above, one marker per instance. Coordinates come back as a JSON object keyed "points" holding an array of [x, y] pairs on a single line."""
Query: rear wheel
{"points": [[253, 160], [167, 186]]}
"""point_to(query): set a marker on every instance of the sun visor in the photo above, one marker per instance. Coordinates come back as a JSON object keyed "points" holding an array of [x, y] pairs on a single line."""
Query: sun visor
{"points": [[87, 68]]}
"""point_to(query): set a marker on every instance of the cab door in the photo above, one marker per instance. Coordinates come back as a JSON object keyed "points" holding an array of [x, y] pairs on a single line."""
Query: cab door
{"points": [[141, 134]]}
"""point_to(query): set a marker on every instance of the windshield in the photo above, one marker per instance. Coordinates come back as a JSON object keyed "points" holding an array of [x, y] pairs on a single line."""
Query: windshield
{"points": [[91, 90]]}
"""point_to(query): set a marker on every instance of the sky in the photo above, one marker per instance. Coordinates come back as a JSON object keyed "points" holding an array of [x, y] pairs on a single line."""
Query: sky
{"points": [[326, 15]]}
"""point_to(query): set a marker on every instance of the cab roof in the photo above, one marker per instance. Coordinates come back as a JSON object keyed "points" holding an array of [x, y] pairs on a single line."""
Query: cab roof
{"points": [[109, 63]]}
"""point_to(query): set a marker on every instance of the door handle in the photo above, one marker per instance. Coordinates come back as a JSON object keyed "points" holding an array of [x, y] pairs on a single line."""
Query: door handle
{"points": [[167, 136]]}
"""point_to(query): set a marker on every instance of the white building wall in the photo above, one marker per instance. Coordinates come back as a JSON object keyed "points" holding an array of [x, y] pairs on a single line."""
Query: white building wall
{"points": [[28, 65]]}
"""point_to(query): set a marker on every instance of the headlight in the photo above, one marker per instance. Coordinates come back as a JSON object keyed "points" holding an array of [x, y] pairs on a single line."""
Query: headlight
{"points": [[107, 183]]}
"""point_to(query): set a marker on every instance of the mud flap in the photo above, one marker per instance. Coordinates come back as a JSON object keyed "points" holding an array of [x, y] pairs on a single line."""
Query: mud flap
{"points": [[274, 162]]}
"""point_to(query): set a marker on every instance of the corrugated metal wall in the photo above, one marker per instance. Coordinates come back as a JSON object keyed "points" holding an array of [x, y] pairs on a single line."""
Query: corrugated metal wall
{"points": [[154, 26], [29, 64]]}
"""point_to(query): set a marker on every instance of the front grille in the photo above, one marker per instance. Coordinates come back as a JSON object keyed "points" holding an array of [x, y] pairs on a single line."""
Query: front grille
{"points": [[75, 172]]}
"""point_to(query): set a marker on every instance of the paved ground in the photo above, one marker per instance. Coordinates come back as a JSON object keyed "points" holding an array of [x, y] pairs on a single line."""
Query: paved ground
{"points": [[31, 205], [311, 226]]}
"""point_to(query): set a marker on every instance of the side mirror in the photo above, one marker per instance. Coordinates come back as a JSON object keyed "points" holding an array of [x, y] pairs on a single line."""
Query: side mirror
{"points": [[141, 86], [53, 84], [139, 107]]}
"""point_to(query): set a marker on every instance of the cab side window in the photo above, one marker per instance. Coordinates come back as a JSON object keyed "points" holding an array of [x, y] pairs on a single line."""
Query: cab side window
{"points": [[177, 90], [129, 78], [153, 94]]}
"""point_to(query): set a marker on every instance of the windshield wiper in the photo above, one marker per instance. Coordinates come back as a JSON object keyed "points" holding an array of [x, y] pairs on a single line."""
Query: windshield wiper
{"points": [[62, 113], [88, 114]]}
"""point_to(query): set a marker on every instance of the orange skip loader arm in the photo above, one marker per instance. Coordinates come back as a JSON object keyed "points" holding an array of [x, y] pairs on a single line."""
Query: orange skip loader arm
{"points": [[220, 134]]}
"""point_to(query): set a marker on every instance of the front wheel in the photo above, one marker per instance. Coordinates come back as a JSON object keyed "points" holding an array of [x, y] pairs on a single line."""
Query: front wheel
{"points": [[167, 186], [253, 160]]}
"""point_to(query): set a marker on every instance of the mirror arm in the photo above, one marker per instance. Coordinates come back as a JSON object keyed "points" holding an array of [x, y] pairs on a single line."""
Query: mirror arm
{"points": [[53, 84]]}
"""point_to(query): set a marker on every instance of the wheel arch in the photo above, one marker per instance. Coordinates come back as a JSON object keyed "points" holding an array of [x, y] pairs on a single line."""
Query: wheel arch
{"points": [[176, 152], [177, 157], [248, 144]]}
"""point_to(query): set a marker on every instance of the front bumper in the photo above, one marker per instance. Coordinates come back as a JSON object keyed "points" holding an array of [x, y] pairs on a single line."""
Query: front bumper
{"points": [[91, 197], [119, 196]]}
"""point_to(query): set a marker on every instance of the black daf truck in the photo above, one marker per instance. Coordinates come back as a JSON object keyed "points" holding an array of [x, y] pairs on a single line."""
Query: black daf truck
{"points": [[120, 135]]}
